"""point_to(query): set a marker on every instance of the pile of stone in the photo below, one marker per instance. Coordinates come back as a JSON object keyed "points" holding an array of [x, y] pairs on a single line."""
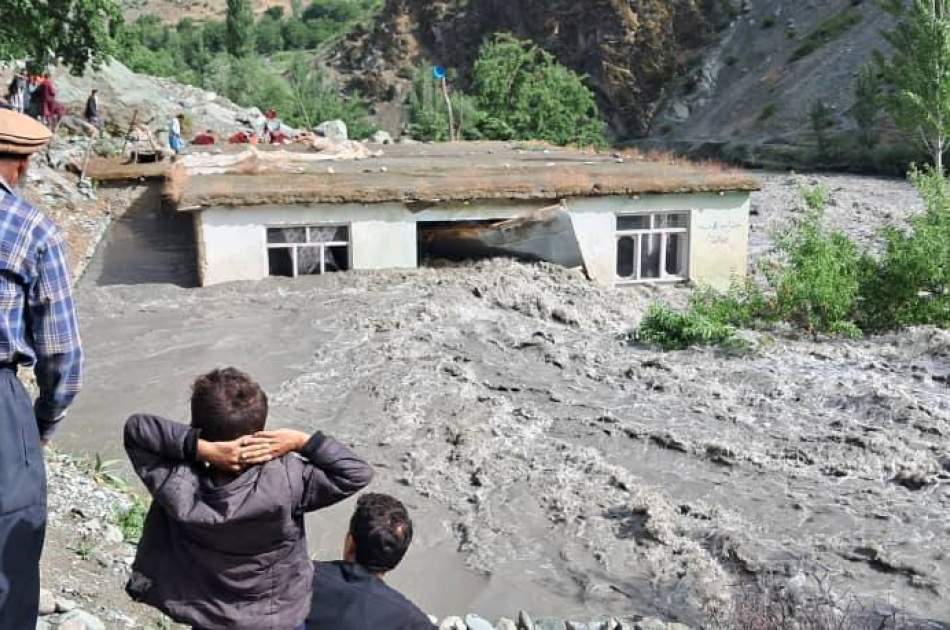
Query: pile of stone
{"points": [[525, 622], [64, 614]]}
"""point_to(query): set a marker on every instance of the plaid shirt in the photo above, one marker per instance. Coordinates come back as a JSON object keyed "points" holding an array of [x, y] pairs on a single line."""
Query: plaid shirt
{"points": [[38, 325]]}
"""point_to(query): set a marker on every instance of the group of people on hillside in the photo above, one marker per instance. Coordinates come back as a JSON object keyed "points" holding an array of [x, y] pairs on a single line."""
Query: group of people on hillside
{"points": [[224, 543], [267, 130], [35, 95]]}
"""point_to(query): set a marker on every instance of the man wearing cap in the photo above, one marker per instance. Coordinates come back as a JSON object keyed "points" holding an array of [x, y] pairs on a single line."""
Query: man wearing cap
{"points": [[38, 328]]}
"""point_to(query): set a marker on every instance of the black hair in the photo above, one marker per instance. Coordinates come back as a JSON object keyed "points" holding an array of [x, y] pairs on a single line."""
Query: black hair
{"points": [[227, 404], [382, 531]]}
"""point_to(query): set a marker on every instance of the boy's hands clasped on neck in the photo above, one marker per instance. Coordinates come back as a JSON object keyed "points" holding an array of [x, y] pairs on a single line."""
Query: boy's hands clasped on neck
{"points": [[260, 448]]}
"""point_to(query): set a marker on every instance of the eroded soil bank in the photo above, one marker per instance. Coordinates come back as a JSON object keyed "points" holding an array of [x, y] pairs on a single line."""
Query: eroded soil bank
{"points": [[550, 463]]}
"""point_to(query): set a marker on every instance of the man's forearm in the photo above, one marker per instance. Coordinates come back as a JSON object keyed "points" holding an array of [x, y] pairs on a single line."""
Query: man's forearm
{"points": [[59, 379]]}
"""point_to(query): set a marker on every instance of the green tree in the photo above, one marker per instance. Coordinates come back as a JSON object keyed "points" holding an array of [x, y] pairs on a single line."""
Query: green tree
{"points": [[74, 31], [240, 28], [525, 93], [316, 98], [867, 106], [919, 72], [270, 34]]}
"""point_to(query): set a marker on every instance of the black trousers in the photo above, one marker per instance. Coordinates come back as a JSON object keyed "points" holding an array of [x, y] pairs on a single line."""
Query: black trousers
{"points": [[22, 506]]}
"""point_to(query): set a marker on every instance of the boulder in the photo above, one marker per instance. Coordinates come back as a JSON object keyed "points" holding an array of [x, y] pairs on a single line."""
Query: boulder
{"points": [[80, 620], [381, 137], [452, 623], [506, 624], [335, 129], [474, 622], [47, 602]]}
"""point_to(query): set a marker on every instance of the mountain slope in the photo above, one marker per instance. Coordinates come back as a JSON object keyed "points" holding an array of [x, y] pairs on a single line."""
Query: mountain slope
{"points": [[629, 50], [755, 86], [171, 11]]}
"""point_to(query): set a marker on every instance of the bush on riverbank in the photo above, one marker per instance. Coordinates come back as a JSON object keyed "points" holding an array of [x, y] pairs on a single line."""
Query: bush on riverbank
{"points": [[822, 283]]}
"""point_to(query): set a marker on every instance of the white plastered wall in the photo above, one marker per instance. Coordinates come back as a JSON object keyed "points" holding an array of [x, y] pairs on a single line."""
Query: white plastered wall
{"points": [[232, 241], [718, 239]]}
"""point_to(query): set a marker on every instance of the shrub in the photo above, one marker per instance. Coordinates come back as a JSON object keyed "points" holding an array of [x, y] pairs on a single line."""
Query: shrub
{"points": [[910, 284], [525, 94], [744, 305], [768, 112], [428, 118], [132, 520], [816, 287], [674, 330]]}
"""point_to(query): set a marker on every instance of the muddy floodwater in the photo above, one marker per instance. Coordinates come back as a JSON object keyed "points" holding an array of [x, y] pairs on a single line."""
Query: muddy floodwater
{"points": [[550, 463]]}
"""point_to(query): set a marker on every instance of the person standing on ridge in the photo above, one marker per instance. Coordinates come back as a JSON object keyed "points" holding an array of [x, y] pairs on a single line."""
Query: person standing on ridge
{"points": [[174, 134], [38, 327], [92, 110]]}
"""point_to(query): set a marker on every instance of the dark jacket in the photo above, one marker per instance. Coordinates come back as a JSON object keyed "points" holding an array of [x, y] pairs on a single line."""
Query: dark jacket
{"points": [[348, 597], [231, 556], [92, 108]]}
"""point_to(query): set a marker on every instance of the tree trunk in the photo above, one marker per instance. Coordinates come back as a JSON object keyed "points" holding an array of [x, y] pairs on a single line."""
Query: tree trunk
{"points": [[938, 155]]}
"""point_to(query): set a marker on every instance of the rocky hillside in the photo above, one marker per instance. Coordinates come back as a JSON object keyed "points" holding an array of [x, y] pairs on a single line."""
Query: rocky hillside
{"points": [[173, 10], [629, 50], [721, 78], [749, 94]]}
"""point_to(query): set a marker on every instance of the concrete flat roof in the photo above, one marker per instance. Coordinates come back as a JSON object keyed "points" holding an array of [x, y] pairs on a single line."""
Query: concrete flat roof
{"points": [[434, 173]]}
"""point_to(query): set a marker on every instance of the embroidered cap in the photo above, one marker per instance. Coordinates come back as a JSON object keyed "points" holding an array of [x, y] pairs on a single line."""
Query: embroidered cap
{"points": [[21, 135]]}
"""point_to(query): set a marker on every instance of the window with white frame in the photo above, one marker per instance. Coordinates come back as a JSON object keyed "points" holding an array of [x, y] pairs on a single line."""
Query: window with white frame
{"points": [[653, 247], [307, 249]]}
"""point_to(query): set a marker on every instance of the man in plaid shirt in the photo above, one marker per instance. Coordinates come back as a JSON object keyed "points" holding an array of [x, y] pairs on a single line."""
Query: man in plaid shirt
{"points": [[37, 328]]}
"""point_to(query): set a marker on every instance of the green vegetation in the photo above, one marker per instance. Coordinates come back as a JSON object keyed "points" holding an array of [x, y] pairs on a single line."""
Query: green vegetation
{"points": [[910, 284], [103, 471], [672, 330], [519, 92], [228, 57], [918, 73], [428, 113], [239, 28], [132, 520], [83, 548], [822, 283], [768, 112], [76, 31], [826, 32]]}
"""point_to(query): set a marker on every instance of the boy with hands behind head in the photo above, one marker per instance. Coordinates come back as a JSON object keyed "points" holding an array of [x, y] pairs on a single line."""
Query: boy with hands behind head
{"points": [[224, 544]]}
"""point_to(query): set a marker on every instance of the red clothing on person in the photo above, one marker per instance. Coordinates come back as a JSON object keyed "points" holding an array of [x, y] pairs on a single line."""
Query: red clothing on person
{"points": [[243, 137], [203, 139], [279, 137], [50, 107]]}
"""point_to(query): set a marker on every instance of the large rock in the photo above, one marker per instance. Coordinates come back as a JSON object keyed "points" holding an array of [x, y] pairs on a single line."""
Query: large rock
{"points": [[381, 137], [122, 93], [80, 620], [334, 129], [452, 623], [47, 602], [474, 622]]}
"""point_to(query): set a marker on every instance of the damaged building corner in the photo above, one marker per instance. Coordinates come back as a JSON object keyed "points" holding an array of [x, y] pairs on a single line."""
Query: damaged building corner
{"points": [[261, 212]]}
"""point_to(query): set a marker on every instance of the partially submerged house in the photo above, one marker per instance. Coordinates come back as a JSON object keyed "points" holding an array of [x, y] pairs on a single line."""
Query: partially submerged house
{"points": [[263, 212]]}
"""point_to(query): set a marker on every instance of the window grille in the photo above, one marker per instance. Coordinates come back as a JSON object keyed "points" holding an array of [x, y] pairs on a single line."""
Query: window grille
{"points": [[307, 249], [652, 247]]}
